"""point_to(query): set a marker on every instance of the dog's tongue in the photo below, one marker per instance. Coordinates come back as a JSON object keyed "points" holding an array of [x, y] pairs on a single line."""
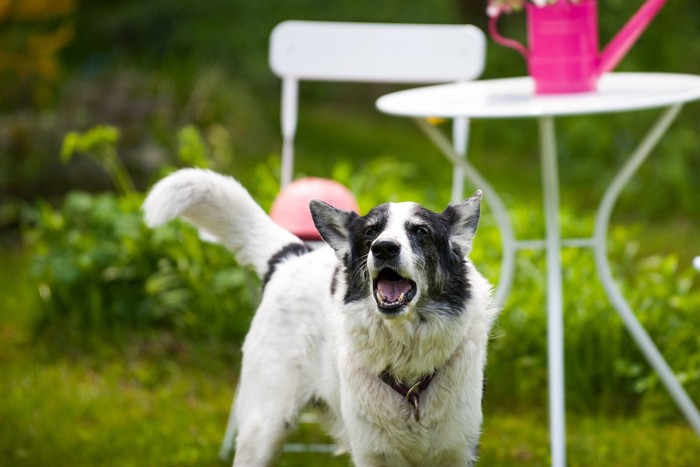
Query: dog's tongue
{"points": [[392, 290]]}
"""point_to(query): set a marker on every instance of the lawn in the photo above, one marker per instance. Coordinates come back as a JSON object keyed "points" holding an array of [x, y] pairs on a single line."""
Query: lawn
{"points": [[156, 399]]}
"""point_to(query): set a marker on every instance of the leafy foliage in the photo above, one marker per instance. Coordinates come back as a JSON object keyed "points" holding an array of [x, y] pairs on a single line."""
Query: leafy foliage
{"points": [[99, 143], [101, 269], [606, 373]]}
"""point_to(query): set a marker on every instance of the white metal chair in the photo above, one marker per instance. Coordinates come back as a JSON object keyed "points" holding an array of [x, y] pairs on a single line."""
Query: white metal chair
{"points": [[372, 53], [369, 53]]}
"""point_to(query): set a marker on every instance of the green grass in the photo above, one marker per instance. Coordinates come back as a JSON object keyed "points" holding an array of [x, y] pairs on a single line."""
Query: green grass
{"points": [[163, 402], [522, 439], [155, 399]]}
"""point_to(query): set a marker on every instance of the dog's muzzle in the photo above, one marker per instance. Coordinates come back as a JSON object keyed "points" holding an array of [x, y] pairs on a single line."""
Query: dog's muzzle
{"points": [[392, 291]]}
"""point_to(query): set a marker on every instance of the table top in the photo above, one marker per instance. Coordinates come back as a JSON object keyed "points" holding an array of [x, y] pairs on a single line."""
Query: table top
{"points": [[515, 97]]}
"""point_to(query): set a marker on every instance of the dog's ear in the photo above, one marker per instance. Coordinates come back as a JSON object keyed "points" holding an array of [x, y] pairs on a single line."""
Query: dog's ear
{"points": [[464, 219], [333, 224]]}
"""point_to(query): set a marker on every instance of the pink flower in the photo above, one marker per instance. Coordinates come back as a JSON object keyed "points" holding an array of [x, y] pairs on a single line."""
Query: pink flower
{"points": [[496, 7]]}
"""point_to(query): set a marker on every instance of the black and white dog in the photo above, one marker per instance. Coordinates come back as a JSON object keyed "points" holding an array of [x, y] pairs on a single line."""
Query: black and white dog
{"points": [[385, 330]]}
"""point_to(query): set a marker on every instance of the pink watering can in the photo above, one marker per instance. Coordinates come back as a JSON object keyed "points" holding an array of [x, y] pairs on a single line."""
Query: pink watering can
{"points": [[563, 38]]}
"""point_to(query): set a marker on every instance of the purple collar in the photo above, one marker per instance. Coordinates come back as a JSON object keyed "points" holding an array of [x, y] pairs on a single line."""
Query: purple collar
{"points": [[409, 393]]}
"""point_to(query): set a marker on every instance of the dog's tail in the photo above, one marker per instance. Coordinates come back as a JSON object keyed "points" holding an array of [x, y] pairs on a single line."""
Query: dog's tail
{"points": [[219, 207]]}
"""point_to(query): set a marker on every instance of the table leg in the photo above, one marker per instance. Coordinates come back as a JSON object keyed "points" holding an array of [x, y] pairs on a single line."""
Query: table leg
{"points": [[505, 229], [555, 326], [644, 342]]}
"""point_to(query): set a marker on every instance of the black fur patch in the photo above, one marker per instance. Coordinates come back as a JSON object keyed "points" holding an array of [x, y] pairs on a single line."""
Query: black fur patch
{"points": [[443, 263], [362, 232], [334, 280], [288, 251]]}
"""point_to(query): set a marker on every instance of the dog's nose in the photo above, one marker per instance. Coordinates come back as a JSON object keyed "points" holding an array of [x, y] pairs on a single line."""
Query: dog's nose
{"points": [[386, 249]]}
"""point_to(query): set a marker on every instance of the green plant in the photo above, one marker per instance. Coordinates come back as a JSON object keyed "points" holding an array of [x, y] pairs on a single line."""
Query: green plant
{"points": [[605, 371], [99, 144], [100, 269]]}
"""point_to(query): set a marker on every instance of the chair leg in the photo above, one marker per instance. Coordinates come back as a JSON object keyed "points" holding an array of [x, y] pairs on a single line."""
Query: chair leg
{"points": [[289, 114], [460, 141]]}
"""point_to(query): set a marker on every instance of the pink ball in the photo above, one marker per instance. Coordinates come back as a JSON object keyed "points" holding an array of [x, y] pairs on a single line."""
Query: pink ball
{"points": [[291, 207]]}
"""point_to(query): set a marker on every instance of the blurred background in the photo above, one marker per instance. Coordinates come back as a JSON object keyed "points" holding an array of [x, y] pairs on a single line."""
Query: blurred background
{"points": [[120, 345]]}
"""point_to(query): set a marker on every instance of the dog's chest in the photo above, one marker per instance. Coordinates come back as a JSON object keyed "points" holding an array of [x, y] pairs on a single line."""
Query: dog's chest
{"points": [[384, 421]]}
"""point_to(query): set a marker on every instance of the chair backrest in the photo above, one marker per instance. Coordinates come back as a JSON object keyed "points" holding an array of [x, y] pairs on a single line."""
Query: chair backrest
{"points": [[376, 52], [367, 52]]}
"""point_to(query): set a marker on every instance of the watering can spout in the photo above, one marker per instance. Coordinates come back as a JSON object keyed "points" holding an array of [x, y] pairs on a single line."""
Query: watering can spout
{"points": [[628, 35]]}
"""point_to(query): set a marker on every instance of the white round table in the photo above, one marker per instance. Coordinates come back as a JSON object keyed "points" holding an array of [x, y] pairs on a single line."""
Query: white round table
{"points": [[515, 98]]}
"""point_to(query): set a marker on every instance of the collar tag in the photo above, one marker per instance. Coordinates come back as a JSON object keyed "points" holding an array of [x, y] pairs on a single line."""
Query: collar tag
{"points": [[410, 394]]}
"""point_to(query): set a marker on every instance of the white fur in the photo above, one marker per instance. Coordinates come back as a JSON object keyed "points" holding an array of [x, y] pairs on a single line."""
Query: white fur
{"points": [[213, 203], [306, 345], [396, 231]]}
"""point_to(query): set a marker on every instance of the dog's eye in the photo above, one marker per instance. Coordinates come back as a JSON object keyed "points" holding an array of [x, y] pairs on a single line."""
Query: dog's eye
{"points": [[421, 231], [370, 232]]}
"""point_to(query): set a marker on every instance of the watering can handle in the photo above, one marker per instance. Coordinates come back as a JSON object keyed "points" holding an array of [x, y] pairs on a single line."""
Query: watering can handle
{"points": [[504, 41]]}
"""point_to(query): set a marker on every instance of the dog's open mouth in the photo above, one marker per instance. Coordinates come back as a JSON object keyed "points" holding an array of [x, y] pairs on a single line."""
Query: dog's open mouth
{"points": [[392, 291]]}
